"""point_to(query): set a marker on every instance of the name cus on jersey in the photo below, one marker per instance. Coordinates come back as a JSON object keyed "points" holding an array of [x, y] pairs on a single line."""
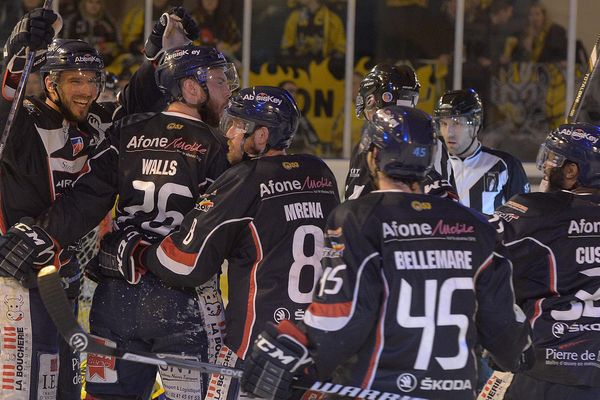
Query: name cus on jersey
{"points": [[306, 209], [159, 167], [433, 259]]}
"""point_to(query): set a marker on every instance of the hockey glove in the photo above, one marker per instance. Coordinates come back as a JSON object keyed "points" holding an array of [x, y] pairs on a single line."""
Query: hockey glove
{"points": [[118, 254], [24, 249], [278, 355], [34, 30], [525, 363], [163, 35]]}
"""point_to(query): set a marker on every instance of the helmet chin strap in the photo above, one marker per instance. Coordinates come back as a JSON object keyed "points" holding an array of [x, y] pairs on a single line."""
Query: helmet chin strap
{"points": [[470, 144]]}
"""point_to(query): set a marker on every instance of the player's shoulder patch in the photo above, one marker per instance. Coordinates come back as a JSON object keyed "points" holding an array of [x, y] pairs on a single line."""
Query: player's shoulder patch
{"points": [[31, 108], [536, 204]]}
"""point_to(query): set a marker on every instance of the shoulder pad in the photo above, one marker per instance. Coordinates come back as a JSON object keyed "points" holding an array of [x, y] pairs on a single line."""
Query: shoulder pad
{"points": [[537, 204], [31, 108], [134, 119]]}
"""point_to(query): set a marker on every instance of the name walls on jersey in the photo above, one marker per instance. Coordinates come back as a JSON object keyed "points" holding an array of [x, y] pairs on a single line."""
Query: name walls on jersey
{"points": [[178, 145], [585, 228]]}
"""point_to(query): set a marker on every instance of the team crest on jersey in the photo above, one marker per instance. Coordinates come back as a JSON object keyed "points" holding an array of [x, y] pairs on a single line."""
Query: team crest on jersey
{"points": [[77, 144], [387, 97], [204, 205]]}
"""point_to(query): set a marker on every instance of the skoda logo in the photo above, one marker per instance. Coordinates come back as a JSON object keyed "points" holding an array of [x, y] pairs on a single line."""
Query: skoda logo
{"points": [[280, 314], [406, 382], [78, 341], [559, 329]]}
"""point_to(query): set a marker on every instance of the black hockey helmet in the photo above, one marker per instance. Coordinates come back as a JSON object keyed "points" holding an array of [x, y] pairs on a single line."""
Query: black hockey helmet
{"points": [[578, 143], [268, 106], [192, 61], [460, 103], [72, 55], [390, 85], [406, 141]]}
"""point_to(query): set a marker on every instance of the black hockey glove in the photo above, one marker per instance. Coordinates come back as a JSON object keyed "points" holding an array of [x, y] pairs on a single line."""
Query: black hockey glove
{"points": [[156, 41], [24, 249], [34, 30], [118, 257], [278, 355], [525, 363]]}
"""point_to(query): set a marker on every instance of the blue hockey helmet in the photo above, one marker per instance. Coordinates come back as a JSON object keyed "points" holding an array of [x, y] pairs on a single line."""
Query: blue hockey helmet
{"points": [[578, 143], [406, 141], [268, 106], [390, 85], [192, 61]]}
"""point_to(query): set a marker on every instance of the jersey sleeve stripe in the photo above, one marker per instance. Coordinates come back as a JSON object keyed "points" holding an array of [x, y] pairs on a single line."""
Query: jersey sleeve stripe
{"points": [[379, 339], [176, 260], [251, 310], [336, 323], [483, 266], [537, 311], [331, 310]]}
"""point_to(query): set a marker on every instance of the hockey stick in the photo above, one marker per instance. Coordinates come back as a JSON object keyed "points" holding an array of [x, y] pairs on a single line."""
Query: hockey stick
{"points": [[58, 306], [17, 100], [584, 98]]}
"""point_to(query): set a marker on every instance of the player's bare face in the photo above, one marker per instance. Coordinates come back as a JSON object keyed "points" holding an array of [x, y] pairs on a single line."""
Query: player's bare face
{"points": [[235, 143], [457, 134], [77, 91], [219, 88]]}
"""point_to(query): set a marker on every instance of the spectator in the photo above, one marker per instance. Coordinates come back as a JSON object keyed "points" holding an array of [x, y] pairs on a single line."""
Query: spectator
{"points": [[132, 28], [306, 139], [542, 40], [218, 27], [313, 32], [92, 23]]}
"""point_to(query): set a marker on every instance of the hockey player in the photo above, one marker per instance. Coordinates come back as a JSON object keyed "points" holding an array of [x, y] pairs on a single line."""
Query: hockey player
{"points": [[411, 282], [388, 85], [50, 142], [552, 239], [265, 215], [485, 178], [158, 164]]}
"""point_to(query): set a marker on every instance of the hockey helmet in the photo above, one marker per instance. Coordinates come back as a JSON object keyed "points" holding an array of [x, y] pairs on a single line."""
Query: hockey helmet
{"points": [[460, 103], [578, 143], [390, 85], [191, 61], [268, 106], [73, 55], [406, 141]]}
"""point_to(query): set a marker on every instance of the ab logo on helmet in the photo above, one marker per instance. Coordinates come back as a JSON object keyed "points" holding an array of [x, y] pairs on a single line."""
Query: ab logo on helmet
{"points": [[263, 98], [87, 58]]}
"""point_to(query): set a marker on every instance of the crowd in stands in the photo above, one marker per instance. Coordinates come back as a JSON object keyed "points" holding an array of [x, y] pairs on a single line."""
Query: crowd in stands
{"points": [[294, 33]]}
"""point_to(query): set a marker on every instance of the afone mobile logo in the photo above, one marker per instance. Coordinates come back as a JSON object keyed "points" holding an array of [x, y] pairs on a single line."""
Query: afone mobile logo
{"points": [[394, 229], [278, 187], [177, 144]]}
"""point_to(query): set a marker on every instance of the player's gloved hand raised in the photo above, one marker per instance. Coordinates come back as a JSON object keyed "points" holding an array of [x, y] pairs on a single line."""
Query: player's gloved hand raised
{"points": [[278, 355], [164, 35], [24, 249], [118, 256], [35, 30]]}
